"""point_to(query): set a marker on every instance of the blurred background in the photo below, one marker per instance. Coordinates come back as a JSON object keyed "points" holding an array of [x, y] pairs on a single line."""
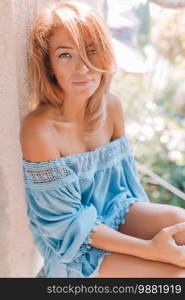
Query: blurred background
{"points": [[149, 44]]}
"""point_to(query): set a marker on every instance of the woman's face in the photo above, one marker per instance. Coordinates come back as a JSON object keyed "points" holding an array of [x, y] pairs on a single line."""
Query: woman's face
{"points": [[72, 74]]}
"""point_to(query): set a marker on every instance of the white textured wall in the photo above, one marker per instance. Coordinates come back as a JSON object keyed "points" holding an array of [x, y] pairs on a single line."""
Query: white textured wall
{"points": [[15, 238], [18, 255]]}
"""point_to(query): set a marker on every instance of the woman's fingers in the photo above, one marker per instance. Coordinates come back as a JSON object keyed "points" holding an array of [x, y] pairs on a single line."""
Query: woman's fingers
{"points": [[171, 230]]}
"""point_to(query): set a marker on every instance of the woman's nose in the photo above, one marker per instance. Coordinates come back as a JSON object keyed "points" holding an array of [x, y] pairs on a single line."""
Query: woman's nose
{"points": [[81, 66]]}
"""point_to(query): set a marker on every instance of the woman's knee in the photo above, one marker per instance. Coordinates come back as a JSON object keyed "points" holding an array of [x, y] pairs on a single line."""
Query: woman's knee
{"points": [[176, 214], [145, 220], [167, 215]]}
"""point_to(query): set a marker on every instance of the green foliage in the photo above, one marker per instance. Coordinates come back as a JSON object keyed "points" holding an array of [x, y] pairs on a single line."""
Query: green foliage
{"points": [[155, 114], [153, 150]]}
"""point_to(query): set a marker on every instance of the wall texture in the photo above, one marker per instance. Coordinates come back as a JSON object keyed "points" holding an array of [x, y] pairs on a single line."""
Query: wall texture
{"points": [[18, 255]]}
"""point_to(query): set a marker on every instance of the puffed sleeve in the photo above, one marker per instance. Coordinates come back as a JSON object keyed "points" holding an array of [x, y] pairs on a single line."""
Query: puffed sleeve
{"points": [[55, 209]]}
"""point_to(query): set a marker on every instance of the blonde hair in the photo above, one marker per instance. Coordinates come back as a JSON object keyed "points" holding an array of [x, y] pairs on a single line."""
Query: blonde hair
{"points": [[81, 22]]}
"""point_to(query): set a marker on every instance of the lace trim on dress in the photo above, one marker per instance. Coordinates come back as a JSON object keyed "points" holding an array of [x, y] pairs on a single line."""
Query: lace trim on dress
{"points": [[48, 175]]}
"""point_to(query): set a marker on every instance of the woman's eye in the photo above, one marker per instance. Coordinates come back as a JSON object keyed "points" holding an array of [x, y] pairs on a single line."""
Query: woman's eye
{"points": [[65, 55], [93, 51]]}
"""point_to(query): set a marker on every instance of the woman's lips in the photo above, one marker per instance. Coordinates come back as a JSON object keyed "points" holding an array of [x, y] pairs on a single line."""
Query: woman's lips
{"points": [[82, 82]]}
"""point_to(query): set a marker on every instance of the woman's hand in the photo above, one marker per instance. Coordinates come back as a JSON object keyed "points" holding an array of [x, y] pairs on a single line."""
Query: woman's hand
{"points": [[164, 248]]}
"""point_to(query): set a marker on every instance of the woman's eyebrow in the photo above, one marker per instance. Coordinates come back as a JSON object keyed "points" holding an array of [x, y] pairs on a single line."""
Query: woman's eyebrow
{"points": [[68, 47], [63, 47]]}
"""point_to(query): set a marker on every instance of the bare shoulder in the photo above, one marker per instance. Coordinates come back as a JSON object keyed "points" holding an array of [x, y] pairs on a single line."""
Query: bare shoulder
{"points": [[113, 100], [116, 111], [37, 138]]}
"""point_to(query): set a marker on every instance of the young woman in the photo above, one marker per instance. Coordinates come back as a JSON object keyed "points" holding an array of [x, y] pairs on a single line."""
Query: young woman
{"points": [[88, 212]]}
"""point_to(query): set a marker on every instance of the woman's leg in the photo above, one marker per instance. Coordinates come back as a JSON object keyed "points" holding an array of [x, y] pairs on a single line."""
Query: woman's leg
{"points": [[127, 266], [144, 220]]}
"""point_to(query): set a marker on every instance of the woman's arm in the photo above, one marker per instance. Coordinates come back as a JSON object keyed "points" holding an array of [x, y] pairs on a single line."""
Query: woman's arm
{"points": [[161, 248], [110, 239]]}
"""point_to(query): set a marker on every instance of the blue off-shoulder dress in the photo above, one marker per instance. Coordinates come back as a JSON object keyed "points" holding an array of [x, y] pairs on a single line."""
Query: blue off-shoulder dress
{"points": [[68, 196]]}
